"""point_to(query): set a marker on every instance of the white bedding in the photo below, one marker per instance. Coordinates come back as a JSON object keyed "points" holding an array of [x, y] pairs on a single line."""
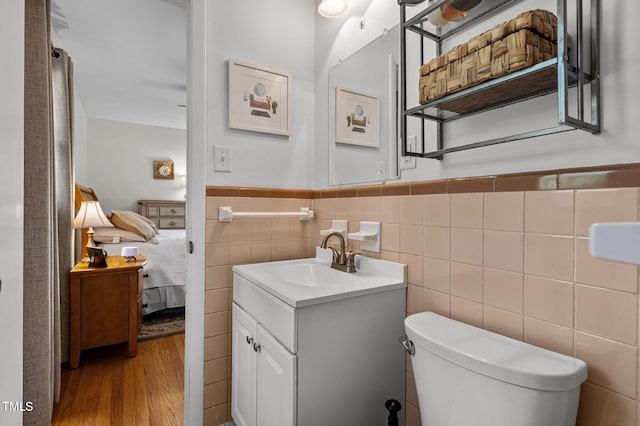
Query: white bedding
{"points": [[165, 270]]}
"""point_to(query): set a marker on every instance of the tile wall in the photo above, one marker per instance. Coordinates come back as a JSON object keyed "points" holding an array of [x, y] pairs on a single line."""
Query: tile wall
{"points": [[234, 243], [516, 263]]}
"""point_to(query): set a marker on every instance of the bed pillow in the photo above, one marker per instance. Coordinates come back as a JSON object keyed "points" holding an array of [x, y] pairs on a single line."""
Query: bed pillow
{"points": [[133, 222], [150, 222], [115, 236]]}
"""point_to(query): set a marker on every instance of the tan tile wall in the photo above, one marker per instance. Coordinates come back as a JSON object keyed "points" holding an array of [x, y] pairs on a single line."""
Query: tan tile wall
{"points": [[516, 263], [232, 243]]}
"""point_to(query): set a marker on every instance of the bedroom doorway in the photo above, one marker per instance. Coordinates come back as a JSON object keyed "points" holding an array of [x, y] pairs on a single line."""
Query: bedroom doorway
{"points": [[120, 130]]}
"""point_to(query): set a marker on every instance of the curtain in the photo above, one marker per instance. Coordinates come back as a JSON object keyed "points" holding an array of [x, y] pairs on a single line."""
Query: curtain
{"points": [[48, 234], [62, 85], [38, 375]]}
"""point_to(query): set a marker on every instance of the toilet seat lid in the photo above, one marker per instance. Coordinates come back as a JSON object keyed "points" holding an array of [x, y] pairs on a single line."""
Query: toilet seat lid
{"points": [[494, 355]]}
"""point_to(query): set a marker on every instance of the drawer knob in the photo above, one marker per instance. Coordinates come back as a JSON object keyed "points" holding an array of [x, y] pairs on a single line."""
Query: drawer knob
{"points": [[256, 347], [172, 223], [173, 210], [249, 340]]}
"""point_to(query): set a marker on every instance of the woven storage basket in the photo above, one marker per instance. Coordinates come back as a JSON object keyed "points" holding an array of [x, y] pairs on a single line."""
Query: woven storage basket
{"points": [[526, 40]]}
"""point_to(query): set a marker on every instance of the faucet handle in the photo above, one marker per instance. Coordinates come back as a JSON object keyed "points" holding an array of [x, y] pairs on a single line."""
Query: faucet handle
{"points": [[351, 261]]}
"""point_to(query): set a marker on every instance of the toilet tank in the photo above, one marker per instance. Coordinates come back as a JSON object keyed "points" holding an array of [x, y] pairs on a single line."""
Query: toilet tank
{"points": [[469, 376]]}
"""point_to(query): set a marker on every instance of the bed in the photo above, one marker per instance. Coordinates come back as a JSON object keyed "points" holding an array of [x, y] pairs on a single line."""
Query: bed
{"points": [[165, 270]]}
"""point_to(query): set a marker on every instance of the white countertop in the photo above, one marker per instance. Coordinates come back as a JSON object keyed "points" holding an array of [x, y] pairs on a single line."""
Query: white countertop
{"points": [[304, 282]]}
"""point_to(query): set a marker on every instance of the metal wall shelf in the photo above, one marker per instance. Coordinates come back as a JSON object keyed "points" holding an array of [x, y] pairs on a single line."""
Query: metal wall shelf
{"points": [[551, 76]]}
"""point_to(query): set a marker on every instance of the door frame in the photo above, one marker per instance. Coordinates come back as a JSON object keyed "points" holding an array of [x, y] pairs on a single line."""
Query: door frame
{"points": [[196, 212]]}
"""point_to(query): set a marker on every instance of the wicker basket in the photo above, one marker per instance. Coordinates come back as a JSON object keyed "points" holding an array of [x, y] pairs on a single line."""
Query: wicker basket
{"points": [[526, 40]]}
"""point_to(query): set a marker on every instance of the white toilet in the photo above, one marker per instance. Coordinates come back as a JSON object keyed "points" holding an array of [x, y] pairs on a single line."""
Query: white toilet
{"points": [[467, 376]]}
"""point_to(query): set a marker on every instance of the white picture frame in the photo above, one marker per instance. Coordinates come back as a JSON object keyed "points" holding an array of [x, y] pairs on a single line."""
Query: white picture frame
{"points": [[357, 118], [259, 98]]}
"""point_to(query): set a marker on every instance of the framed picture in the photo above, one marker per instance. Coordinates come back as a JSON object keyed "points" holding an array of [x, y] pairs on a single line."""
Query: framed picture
{"points": [[259, 98], [97, 257], [357, 118], [163, 169]]}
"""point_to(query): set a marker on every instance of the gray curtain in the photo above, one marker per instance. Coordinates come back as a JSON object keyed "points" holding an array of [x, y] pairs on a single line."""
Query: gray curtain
{"points": [[62, 82], [47, 222]]}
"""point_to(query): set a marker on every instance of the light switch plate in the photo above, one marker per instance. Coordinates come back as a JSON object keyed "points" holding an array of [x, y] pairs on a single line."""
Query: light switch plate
{"points": [[221, 158]]}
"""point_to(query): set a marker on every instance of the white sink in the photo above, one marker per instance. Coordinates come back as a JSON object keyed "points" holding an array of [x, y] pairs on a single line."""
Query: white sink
{"points": [[303, 282], [310, 274]]}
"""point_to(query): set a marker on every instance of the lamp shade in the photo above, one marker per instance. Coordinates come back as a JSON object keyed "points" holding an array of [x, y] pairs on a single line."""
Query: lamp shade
{"points": [[90, 215], [332, 8]]}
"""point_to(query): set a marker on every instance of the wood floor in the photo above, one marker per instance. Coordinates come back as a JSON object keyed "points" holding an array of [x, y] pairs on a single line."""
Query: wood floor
{"points": [[110, 388]]}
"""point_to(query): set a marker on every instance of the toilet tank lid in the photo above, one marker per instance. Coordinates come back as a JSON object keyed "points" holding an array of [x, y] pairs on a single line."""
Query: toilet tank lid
{"points": [[494, 355]]}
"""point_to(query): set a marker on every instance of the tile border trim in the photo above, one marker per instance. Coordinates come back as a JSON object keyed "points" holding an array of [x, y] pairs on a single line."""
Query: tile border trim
{"points": [[610, 176]]}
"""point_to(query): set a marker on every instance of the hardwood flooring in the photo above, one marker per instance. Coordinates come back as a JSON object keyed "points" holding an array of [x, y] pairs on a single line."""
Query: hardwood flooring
{"points": [[110, 388]]}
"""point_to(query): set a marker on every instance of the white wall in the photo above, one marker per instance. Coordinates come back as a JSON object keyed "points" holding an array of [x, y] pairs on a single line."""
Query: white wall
{"points": [[79, 139], [11, 215], [618, 143], [120, 162], [277, 34]]}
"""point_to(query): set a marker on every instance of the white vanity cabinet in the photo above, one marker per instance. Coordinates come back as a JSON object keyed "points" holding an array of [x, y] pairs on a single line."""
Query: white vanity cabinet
{"points": [[331, 360], [264, 375]]}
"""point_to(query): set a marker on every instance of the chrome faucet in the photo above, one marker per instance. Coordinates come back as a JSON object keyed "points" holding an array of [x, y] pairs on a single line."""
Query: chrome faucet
{"points": [[342, 260]]}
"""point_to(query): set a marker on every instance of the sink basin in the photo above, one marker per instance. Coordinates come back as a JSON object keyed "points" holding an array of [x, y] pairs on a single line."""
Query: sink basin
{"points": [[310, 274], [303, 282]]}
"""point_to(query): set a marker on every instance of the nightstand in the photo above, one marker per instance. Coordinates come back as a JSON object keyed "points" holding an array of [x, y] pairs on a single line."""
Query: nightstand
{"points": [[106, 305]]}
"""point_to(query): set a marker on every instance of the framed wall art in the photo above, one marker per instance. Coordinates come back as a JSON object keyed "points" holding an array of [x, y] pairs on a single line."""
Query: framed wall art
{"points": [[259, 98], [357, 118], [163, 169]]}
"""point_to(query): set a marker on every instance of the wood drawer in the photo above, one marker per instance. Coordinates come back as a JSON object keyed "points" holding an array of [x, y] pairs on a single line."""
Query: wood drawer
{"points": [[168, 211], [170, 223]]}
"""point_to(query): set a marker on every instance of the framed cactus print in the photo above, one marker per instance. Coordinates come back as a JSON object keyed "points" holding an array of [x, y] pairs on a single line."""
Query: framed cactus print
{"points": [[259, 98], [357, 118]]}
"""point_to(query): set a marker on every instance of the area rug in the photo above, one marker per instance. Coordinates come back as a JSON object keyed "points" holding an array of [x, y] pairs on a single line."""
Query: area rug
{"points": [[162, 324]]}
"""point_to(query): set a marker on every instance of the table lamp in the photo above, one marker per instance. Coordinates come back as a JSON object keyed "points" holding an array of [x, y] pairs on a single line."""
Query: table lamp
{"points": [[91, 216]]}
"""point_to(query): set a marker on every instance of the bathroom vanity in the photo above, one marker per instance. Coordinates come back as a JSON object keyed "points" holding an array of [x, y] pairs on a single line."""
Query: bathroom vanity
{"points": [[316, 346]]}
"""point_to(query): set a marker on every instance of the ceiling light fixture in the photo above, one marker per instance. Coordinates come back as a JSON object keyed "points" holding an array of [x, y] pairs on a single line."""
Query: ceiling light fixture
{"points": [[332, 8]]}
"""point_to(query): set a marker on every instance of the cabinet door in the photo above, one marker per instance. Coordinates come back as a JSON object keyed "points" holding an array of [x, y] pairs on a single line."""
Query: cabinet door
{"points": [[243, 368], [104, 296], [276, 382]]}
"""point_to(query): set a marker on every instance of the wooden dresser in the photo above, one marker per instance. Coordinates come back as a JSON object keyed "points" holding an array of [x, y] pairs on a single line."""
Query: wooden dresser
{"points": [[106, 305], [167, 214]]}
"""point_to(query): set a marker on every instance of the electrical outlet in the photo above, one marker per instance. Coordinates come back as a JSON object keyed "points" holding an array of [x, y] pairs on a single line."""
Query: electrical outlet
{"points": [[381, 165], [409, 162], [221, 158]]}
